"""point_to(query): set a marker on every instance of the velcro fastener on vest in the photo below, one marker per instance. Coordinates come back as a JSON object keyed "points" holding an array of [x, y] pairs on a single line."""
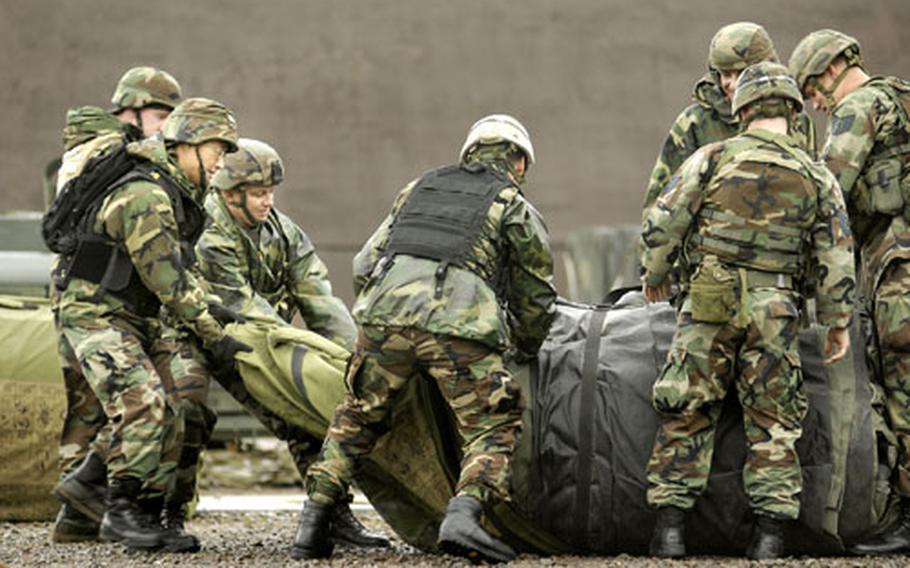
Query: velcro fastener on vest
{"points": [[445, 213]]}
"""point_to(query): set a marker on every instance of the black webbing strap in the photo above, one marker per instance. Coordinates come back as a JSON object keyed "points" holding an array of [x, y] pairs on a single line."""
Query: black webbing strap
{"points": [[297, 356], [586, 424]]}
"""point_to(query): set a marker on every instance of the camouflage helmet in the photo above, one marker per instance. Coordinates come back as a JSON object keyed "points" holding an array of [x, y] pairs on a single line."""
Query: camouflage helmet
{"points": [[496, 128], [199, 120], [815, 52], [763, 81], [254, 163], [143, 86], [736, 46]]}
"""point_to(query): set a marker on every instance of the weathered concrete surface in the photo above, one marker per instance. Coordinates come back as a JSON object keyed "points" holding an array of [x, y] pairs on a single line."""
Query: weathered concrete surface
{"points": [[361, 96]]}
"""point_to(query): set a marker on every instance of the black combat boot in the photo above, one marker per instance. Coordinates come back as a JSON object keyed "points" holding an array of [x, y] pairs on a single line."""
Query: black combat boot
{"points": [[461, 534], [85, 488], [895, 539], [313, 533], [73, 526], [767, 542], [126, 522], [178, 540], [669, 538], [346, 529]]}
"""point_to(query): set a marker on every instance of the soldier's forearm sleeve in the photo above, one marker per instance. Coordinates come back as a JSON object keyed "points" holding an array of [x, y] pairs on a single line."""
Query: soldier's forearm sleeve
{"points": [[850, 139], [151, 239], [671, 217], [833, 255], [532, 295]]}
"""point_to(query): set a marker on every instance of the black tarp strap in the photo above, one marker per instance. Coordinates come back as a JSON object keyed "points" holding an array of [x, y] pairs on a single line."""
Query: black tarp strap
{"points": [[586, 425]]}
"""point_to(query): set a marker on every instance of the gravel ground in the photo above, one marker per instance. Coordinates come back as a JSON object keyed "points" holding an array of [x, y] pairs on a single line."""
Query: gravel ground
{"points": [[264, 539]]}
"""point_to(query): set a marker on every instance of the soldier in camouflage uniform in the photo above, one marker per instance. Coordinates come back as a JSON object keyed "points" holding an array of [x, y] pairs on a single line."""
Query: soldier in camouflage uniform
{"points": [[133, 259], [143, 98], [748, 217], [263, 266], [868, 150], [709, 119], [459, 271]]}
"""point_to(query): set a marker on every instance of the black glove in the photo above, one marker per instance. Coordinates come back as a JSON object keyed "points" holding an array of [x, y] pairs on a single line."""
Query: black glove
{"points": [[224, 351], [225, 315]]}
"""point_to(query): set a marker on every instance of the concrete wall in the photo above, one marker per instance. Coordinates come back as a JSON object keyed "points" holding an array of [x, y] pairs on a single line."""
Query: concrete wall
{"points": [[361, 96]]}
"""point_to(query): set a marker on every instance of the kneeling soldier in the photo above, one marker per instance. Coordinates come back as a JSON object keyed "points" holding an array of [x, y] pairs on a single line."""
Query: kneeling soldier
{"points": [[462, 257]]}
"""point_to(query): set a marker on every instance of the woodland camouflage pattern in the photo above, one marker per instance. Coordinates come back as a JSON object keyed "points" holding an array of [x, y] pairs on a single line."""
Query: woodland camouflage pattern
{"points": [[867, 150], [200, 120], [468, 308], [766, 209], [706, 121], [149, 375], [143, 86], [710, 119], [271, 272], [486, 400], [89, 132], [736, 46], [457, 339], [268, 272], [817, 50]]}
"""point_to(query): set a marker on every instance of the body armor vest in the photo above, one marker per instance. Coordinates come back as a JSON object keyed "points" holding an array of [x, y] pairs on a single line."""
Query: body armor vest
{"points": [[759, 208], [443, 216], [886, 174], [108, 264]]}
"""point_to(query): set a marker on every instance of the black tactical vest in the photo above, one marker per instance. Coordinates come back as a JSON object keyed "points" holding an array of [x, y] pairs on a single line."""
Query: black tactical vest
{"points": [[444, 215], [107, 263]]}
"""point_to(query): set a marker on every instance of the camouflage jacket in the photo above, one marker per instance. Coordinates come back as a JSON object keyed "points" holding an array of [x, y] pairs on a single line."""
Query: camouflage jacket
{"points": [[707, 120], [140, 218], [865, 124], [89, 132], [271, 272], [758, 202], [403, 294]]}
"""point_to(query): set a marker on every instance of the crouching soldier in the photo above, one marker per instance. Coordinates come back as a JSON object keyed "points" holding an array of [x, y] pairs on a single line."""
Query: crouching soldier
{"points": [[461, 264], [142, 100], [263, 266], [748, 217], [133, 257]]}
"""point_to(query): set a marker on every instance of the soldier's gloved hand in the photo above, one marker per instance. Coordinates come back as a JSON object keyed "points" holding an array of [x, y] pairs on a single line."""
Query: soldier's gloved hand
{"points": [[519, 356], [226, 349], [225, 315]]}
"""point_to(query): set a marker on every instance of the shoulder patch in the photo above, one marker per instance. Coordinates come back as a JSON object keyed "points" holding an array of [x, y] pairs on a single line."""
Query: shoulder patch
{"points": [[841, 124]]}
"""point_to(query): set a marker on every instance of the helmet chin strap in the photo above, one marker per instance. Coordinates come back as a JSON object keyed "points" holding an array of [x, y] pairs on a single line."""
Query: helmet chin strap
{"points": [[203, 181], [247, 214], [828, 94]]}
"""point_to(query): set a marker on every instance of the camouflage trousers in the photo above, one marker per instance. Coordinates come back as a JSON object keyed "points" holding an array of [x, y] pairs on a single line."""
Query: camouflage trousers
{"points": [[891, 313], [303, 447], [150, 382], [85, 424], [757, 357], [485, 399]]}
